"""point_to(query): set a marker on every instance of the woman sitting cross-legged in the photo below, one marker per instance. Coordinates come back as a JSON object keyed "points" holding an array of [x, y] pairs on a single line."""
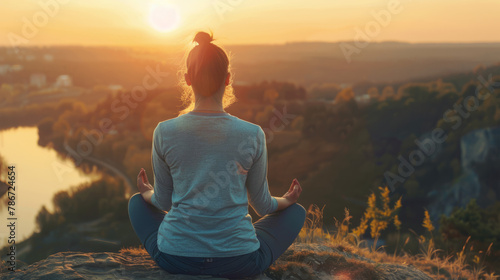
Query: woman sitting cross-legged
{"points": [[208, 167]]}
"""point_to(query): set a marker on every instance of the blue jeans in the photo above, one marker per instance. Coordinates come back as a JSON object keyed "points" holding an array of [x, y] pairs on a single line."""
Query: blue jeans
{"points": [[275, 232]]}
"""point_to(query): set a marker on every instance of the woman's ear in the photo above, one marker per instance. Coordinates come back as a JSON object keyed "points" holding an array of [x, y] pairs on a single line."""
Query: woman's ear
{"points": [[188, 80], [228, 79]]}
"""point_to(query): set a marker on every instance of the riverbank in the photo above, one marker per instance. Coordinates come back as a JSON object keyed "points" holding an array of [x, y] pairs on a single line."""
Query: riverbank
{"points": [[40, 173]]}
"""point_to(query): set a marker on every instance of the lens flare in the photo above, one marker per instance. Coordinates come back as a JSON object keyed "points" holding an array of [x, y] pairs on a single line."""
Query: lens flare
{"points": [[164, 17]]}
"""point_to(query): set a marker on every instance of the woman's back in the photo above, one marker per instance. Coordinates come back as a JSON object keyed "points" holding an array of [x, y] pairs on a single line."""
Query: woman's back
{"points": [[209, 166], [204, 164]]}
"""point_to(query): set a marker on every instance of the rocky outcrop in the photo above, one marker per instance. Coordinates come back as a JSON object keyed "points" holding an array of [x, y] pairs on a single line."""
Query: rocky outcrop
{"points": [[301, 261], [480, 180], [479, 146]]}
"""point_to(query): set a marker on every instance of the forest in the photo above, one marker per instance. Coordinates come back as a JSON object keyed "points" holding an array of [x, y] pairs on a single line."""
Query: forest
{"points": [[349, 141]]}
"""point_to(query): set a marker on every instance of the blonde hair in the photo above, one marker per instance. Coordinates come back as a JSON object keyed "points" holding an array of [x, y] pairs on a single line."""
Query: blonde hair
{"points": [[207, 65]]}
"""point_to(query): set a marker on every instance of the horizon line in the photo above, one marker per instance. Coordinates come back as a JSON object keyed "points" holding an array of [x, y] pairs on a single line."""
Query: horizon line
{"points": [[256, 44]]}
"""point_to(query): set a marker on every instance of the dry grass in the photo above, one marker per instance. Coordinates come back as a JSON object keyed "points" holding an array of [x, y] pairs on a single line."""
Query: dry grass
{"points": [[133, 250], [429, 261], [364, 262], [308, 264]]}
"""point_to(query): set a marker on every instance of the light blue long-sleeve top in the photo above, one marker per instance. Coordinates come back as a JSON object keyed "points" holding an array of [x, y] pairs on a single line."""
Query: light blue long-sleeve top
{"points": [[208, 167]]}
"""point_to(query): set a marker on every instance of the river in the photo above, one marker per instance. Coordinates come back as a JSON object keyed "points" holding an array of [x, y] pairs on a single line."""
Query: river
{"points": [[40, 173]]}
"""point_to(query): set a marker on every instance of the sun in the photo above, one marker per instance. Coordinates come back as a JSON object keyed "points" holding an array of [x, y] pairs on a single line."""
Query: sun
{"points": [[164, 17]]}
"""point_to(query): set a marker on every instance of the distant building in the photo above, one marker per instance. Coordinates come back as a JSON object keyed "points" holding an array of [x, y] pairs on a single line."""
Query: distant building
{"points": [[16, 68], [30, 57], [63, 81], [115, 87], [4, 68], [241, 83], [38, 80], [48, 57], [365, 98]]}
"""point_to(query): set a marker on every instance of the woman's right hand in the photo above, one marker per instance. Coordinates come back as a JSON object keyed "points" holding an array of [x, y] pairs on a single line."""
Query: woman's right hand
{"points": [[292, 195], [143, 183]]}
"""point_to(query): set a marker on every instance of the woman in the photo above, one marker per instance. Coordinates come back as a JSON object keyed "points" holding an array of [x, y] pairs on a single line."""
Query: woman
{"points": [[208, 167]]}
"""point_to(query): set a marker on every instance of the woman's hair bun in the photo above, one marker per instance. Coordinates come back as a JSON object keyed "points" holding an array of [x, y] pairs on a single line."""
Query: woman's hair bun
{"points": [[203, 38]]}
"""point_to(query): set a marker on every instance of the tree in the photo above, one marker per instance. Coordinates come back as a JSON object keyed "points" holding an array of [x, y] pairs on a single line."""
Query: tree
{"points": [[324, 91], [345, 95], [3, 177], [387, 92], [481, 225], [45, 131], [373, 93], [298, 123], [262, 117], [62, 202], [270, 95], [3, 169], [43, 219]]}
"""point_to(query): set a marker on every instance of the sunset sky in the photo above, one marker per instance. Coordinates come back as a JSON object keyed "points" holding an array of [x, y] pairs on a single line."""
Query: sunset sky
{"points": [[141, 22]]}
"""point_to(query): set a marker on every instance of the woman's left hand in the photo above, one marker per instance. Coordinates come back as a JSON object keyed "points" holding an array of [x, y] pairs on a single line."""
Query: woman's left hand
{"points": [[142, 182]]}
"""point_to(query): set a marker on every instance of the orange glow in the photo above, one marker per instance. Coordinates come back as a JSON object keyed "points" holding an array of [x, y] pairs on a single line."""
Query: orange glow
{"points": [[136, 22], [343, 276], [164, 17]]}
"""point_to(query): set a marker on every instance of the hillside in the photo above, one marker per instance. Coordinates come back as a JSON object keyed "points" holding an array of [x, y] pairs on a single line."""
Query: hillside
{"points": [[305, 63], [340, 151]]}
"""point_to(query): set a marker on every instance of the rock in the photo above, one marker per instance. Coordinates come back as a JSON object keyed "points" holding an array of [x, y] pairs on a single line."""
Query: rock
{"points": [[136, 264], [479, 157], [301, 261], [479, 145], [321, 261]]}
